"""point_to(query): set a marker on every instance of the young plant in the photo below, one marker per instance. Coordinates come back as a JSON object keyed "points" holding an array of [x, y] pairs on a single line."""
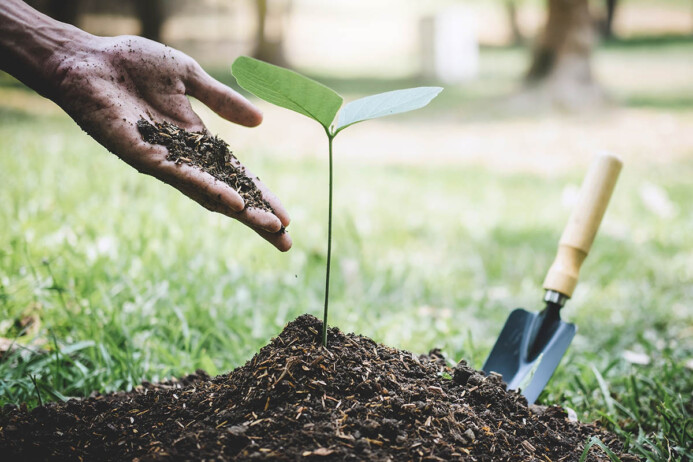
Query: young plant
{"points": [[293, 91]]}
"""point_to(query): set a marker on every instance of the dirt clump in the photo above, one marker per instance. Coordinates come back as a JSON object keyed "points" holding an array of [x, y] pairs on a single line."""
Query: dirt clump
{"points": [[295, 400], [208, 153]]}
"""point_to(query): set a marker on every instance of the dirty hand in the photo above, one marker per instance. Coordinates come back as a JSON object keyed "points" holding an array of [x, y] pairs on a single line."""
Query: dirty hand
{"points": [[106, 84], [117, 81]]}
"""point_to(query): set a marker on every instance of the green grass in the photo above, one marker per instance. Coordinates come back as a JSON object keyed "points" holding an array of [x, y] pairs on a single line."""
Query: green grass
{"points": [[126, 280]]}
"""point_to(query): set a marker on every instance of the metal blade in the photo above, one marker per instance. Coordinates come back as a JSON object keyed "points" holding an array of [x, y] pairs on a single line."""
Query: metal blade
{"points": [[528, 350]]}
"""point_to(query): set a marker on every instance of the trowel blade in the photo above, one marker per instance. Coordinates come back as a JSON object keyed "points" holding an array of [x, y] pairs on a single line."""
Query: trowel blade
{"points": [[511, 357]]}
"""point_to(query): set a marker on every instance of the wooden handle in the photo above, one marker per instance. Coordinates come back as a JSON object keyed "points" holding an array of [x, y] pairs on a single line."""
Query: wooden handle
{"points": [[583, 224]]}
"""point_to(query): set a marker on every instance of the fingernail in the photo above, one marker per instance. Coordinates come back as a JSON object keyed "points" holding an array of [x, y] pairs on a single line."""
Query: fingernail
{"points": [[237, 206], [283, 242], [274, 226]]}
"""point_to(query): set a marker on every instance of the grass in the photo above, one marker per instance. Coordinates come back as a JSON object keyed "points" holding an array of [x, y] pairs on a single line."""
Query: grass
{"points": [[108, 278]]}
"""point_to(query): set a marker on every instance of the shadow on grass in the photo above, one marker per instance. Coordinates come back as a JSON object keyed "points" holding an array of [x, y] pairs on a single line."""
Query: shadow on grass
{"points": [[11, 115], [648, 41], [669, 102], [7, 81]]}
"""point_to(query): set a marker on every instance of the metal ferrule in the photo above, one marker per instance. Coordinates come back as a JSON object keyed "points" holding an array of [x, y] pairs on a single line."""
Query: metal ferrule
{"points": [[556, 298]]}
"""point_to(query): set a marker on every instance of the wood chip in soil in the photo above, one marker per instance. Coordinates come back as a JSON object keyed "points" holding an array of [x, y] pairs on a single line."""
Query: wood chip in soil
{"points": [[296, 400], [208, 153]]}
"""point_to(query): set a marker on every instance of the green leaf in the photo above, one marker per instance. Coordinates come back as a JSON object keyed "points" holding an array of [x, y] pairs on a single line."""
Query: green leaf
{"points": [[287, 89], [385, 104], [596, 441]]}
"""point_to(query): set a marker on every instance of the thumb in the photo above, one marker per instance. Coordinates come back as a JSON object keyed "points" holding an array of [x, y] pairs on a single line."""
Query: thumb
{"points": [[226, 102]]}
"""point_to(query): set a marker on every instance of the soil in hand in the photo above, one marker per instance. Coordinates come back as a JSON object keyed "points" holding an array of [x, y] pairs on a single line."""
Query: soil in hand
{"points": [[296, 400], [208, 153]]}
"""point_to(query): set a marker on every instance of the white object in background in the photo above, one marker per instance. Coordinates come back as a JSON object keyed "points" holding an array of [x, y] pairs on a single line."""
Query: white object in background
{"points": [[656, 200], [572, 415], [456, 46]]}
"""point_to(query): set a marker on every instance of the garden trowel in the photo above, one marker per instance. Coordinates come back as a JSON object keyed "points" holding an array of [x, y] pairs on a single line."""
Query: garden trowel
{"points": [[531, 345]]}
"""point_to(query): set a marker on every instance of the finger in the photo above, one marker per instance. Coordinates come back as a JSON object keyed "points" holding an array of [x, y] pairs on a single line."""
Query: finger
{"points": [[180, 113], [175, 109], [258, 218], [275, 234], [199, 186], [209, 191], [282, 241], [252, 217], [222, 99], [212, 194], [279, 210], [219, 197]]}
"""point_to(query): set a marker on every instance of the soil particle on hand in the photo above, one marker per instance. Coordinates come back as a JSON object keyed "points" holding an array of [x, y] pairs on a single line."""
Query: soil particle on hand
{"points": [[208, 153], [295, 400]]}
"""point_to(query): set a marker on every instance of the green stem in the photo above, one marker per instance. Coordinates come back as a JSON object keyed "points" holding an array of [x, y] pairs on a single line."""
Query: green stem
{"points": [[329, 249]]}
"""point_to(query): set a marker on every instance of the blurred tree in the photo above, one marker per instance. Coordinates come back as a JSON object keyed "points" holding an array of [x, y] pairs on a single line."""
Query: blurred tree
{"points": [[561, 63], [151, 14], [607, 26], [511, 13], [605, 21], [269, 35], [64, 10]]}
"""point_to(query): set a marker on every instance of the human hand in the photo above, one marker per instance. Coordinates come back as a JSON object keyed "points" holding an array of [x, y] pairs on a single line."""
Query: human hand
{"points": [[111, 83]]}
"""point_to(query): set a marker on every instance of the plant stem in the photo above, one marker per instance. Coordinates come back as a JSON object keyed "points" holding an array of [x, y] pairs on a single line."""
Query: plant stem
{"points": [[329, 248]]}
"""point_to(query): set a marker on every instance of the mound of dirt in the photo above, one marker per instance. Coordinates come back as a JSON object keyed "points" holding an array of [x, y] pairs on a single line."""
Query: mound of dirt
{"points": [[296, 400]]}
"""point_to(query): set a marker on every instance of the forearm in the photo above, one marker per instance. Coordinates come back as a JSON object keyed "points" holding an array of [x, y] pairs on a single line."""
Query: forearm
{"points": [[32, 45]]}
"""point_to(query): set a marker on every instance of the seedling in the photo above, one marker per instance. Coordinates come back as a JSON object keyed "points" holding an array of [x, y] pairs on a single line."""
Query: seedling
{"points": [[291, 90]]}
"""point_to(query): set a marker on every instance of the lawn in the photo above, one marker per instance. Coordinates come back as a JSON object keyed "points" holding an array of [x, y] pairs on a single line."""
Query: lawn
{"points": [[109, 278]]}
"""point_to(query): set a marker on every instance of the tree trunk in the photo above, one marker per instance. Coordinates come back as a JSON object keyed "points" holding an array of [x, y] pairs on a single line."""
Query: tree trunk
{"points": [[267, 47], [511, 12], [562, 59], [64, 10], [608, 26], [151, 16]]}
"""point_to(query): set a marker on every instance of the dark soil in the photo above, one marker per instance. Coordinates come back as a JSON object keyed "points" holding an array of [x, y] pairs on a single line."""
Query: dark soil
{"points": [[295, 400], [205, 152]]}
